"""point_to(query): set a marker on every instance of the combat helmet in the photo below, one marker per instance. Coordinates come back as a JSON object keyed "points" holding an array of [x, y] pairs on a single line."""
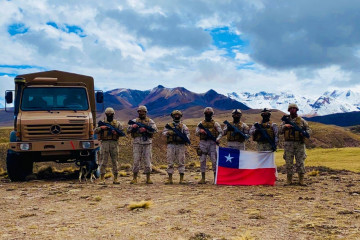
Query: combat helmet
{"points": [[176, 112], [209, 109], [293, 105], [265, 111], [109, 110], [235, 111], [142, 108]]}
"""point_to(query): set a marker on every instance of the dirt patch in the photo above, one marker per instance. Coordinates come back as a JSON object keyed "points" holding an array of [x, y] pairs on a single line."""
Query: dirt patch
{"points": [[63, 208]]}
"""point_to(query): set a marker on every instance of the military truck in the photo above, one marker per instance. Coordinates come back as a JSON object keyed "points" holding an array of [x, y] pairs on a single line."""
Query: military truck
{"points": [[54, 120]]}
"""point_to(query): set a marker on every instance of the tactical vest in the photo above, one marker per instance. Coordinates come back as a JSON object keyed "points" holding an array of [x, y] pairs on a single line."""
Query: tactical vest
{"points": [[104, 134], [137, 133], [296, 136], [211, 126], [270, 131], [236, 137], [173, 138]]}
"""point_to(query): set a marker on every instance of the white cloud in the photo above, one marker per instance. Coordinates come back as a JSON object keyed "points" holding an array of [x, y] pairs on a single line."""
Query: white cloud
{"points": [[140, 44]]}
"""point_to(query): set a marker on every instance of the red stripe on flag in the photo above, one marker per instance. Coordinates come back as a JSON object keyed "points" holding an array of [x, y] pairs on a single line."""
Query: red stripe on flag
{"points": [[232, 176]]}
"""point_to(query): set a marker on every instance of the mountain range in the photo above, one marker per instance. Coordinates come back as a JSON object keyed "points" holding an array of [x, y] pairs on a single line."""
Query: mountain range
{"points": [[328, 103], [161, 100]]}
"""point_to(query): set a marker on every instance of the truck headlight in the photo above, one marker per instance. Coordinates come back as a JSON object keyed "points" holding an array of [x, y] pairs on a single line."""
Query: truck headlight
{"points": [[25, 146], [85, 145]]}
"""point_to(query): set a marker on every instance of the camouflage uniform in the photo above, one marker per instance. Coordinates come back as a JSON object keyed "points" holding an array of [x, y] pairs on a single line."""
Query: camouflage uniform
{"points": [[294, 144], [236, 141], [142, 145], [175, 147], [207, 146], [109, 147], [273, 132]]}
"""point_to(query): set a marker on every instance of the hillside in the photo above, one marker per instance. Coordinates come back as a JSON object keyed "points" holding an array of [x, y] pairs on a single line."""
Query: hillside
{"points": [[339, 119], [6, 118]]}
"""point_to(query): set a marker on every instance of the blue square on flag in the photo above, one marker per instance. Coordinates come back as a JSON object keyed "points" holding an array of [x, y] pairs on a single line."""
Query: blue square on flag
{"points": [[229, 157]]}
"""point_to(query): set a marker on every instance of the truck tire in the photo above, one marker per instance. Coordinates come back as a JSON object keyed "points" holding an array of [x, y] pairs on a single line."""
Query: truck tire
{"points": [[18, 166]]}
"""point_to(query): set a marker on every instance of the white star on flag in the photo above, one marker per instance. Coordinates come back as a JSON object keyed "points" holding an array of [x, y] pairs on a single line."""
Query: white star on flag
{"points": [[228, 158]]}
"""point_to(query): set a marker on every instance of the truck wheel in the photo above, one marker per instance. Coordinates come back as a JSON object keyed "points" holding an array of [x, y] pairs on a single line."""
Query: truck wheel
{"points": [[18, 166]]}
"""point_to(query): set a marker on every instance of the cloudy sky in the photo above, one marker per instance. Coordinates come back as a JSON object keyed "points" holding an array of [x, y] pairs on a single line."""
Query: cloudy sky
{"points": [[305, 47]]}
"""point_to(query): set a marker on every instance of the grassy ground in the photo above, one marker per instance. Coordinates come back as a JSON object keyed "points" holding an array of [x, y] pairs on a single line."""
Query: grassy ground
{"points": [[335, 158], [63, 208], [56, 206]]}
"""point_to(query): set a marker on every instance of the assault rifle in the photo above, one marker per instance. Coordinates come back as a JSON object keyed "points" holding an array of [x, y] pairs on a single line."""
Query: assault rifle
{"points": [[111, 128], [287, 120], [208, 133], [178, 133], [235, 130], [265, 135], [141, 125]]}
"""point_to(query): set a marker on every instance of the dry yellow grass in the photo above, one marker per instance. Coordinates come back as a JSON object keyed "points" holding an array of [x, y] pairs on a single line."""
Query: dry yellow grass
{"points": [[335, 158], [141, 204], [97, 198], [122, 174], [245, 236], [108, 175]]}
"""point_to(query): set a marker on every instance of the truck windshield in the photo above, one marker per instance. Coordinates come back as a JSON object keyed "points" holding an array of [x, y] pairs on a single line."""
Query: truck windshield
{"points": [[54, 98]]}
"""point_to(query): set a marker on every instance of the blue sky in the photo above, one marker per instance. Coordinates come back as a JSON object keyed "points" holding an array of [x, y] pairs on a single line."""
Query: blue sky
{"points": [[249, 45]]}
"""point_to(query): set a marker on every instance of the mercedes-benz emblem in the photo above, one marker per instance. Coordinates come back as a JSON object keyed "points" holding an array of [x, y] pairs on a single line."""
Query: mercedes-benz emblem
{"points": [[55, 129]]}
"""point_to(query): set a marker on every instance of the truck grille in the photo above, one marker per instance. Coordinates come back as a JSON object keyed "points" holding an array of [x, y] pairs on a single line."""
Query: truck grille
{"points": [[61, 131]]}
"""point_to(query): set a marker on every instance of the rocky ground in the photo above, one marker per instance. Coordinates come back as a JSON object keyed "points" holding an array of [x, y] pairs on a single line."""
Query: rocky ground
{"points": [[62, 208]]}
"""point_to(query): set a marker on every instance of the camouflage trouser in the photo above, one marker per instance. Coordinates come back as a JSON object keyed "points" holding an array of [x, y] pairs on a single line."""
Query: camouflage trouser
{"points": [[207, 147], [142, 152], [297, 150], [175, 152], [236, 145], [109, 148], [261, 146]]}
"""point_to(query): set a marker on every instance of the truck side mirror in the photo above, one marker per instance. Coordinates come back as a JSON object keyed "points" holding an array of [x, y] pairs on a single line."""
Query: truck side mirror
{"points": [[99, 97], [9, 97]]}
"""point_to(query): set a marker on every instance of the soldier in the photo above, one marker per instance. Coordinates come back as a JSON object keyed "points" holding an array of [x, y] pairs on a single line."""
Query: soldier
{"points": [[294, 144], [236, 140], [270, 128], [176, 146], [142, 144], [109, 145], [207, 146]]}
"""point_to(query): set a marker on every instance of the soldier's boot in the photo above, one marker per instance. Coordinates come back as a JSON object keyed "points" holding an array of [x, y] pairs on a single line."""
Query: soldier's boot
{"points": [[288, 179], [134, 180], [202, 181], [148, 180], [181, 179], [102, 179], [170, 179], [301, 180], [116, 180]]}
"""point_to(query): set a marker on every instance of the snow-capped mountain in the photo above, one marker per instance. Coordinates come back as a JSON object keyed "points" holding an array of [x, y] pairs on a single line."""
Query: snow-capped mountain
{"points": [[337, 102], [328, 103]]}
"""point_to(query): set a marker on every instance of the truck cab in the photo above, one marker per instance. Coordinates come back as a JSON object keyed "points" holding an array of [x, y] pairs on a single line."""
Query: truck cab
{"points": [[54, 120]]}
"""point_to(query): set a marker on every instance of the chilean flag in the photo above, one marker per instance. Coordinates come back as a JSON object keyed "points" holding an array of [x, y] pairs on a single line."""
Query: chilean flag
{"points": [[236, 167]]}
